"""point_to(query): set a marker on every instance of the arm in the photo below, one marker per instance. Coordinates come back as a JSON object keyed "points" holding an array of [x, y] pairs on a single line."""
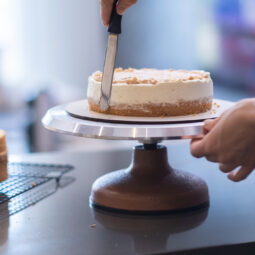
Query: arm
{"points": [[106, 8], [230, 140]]}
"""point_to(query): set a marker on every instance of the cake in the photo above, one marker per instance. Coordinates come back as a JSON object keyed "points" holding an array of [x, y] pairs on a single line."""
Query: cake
{"points": [[152, 92], [3, 157]]}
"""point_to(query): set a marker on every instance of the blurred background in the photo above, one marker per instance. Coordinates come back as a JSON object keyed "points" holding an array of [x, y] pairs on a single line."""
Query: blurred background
{"points": [[48, 48]]}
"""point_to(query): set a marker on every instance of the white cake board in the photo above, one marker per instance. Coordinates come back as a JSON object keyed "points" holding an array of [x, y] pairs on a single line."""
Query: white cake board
{"points": [[80, 109]]}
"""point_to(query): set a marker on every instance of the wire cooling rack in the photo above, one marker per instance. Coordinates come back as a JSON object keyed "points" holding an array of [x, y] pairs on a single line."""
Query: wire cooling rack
{"points": [[27, 184]]}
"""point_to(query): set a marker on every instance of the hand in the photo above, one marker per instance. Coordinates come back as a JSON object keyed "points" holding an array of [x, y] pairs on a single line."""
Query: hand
{"points": [[106, 8], [230, 140]]}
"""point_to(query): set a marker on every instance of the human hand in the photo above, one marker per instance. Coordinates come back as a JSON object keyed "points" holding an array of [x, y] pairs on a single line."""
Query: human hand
{"points": [[107, 5], [230, 140]]}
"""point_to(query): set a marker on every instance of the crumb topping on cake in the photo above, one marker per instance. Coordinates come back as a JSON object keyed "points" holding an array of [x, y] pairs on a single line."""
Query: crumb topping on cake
{"points": [[151, 92], [152, 76]]}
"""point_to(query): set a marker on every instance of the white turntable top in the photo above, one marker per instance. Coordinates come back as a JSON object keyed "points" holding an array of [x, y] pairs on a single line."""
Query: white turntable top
{"points": [[76, 119], [80, 109]]}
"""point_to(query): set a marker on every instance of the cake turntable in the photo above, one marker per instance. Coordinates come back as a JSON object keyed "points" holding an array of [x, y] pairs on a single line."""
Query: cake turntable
{"points": [[149, 185]]}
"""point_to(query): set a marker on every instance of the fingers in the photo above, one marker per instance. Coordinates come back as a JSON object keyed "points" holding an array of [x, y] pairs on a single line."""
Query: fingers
{"points": [[241, 174], [123, 5], [106, 10], [197, 148], [225, 168], [209, 124], [212, 158]]}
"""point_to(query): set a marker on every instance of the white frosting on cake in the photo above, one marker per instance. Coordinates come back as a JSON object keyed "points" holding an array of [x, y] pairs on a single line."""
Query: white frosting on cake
{"points": [[145, 86]]}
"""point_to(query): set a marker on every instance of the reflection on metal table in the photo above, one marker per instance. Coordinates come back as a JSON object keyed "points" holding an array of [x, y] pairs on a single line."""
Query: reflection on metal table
{"points": [[63, 223]]}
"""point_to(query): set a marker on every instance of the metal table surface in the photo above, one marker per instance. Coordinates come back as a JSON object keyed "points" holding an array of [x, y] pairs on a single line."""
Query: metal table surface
{"points": [[60, 224]]}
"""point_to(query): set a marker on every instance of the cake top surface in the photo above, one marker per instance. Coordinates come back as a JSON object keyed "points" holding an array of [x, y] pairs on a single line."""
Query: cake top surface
{"points": [[152, 76]]}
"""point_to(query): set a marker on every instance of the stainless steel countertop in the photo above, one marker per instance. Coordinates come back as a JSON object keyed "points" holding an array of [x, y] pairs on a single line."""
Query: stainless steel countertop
{"points": [[60, 224]]}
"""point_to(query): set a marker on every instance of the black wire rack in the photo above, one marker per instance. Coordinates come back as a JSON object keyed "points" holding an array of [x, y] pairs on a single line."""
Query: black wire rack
{"points": [[27, 184]]}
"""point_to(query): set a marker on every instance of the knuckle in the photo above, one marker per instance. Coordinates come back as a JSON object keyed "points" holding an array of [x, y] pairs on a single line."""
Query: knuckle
{"points": [[224, 168], [235, 180], [225, 159], [208, 158], [241, 178], [193, 153]]}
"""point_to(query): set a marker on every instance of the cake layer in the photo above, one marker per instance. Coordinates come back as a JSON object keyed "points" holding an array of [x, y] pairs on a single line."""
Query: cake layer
{"points": [[150, 86], [151, 92], [3, 157], [155, 110]]}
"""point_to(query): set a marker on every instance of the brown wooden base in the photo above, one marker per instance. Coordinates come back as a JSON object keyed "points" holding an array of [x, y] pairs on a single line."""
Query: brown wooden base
{"points": [[149, 184]]}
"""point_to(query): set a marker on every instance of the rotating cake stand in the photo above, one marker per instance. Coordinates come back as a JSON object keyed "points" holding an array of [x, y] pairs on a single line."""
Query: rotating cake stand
{"points": [[149, 184]]}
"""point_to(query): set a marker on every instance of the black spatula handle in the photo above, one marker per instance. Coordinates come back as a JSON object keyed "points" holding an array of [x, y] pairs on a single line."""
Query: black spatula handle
{"points": [[115, 21]]}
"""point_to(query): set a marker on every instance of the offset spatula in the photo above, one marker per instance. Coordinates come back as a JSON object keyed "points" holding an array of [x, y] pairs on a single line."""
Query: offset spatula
{"points": [[114, 30]]}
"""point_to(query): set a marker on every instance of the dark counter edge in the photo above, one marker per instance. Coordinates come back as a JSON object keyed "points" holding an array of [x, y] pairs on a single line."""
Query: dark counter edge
{"points": [[235, 249]]}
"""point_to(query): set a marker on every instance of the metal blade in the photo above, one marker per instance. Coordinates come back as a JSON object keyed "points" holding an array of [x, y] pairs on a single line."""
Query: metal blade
{"points": [[109, 64]]}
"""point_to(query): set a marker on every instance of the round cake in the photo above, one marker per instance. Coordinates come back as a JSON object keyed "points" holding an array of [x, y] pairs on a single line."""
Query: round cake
{"points": [[153, 93]]}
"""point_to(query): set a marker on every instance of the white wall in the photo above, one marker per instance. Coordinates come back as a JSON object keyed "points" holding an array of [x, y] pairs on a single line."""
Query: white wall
{"points": [[162, 33], [63, 40], [59, 40]]}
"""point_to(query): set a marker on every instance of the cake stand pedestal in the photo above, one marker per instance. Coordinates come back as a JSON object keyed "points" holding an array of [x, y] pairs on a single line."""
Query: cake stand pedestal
{"points": [[149, 185]]}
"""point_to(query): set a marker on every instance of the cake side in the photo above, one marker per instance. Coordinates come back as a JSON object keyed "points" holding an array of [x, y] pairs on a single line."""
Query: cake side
{"points": [[3, 157], [151, 92], [156, 110]]}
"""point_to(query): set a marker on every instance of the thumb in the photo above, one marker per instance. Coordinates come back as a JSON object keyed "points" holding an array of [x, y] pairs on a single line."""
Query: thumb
{"points": [[197, 148], [106, 9], [209, 125]]}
